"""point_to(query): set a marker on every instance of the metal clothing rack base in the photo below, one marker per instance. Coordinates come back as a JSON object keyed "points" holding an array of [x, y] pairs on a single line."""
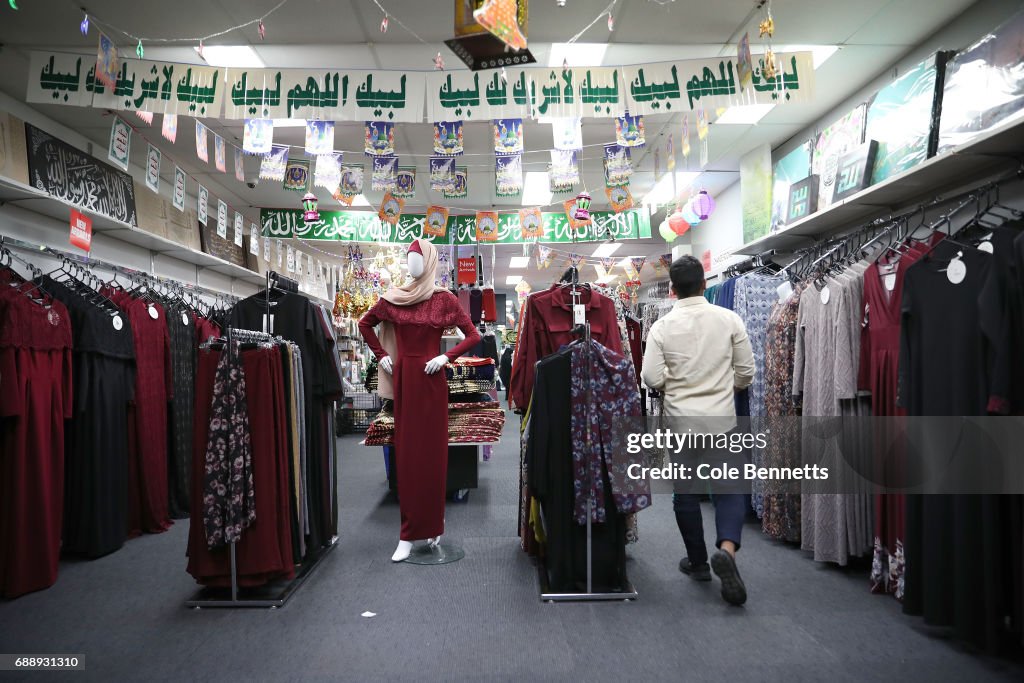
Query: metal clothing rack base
{"points": [[270, 596]]}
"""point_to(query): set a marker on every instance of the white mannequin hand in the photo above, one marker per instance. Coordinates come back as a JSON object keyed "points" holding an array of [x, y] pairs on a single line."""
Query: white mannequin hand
{"points": [[385, 364], [435, 364]]}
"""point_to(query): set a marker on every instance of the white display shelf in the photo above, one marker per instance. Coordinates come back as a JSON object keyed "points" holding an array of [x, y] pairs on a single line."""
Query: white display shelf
{"points": [[990, 152], [39, 202]]}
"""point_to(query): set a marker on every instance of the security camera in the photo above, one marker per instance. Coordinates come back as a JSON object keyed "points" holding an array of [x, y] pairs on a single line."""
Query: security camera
{"points": [[251, 185]]}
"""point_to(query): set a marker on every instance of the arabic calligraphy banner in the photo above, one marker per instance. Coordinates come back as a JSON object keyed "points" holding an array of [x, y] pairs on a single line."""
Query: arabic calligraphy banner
{"points": [[398, 96], [329, 95], [142, 85], [365, 226]]}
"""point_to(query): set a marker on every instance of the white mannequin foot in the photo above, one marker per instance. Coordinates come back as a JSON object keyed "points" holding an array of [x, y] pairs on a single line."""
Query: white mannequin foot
{"points": [[402, 552]]}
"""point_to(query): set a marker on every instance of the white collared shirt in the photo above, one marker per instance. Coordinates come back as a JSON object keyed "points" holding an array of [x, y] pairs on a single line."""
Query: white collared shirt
{"points": [[698, 355]]}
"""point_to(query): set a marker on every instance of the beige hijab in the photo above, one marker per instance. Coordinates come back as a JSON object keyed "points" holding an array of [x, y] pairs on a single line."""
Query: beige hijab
{"points": [[413, 292]]}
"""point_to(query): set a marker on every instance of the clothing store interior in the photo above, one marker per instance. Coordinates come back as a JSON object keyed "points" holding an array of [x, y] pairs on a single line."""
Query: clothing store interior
{"points": [[328, 327]]}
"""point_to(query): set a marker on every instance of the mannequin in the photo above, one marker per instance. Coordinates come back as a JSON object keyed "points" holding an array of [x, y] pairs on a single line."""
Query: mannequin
{"points": [[412, 318]]}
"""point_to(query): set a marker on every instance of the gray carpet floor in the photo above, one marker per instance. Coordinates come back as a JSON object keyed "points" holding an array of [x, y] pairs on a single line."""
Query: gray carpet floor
{"points": [[480, 618]]}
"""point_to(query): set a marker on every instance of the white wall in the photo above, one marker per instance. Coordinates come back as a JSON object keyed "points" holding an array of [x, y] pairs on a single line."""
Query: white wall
{"points": [[722, 233]]}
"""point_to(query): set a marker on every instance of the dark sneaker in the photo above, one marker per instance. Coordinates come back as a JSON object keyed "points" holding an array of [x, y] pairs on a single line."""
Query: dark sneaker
{"points": [[733, 590], [697, 572]]}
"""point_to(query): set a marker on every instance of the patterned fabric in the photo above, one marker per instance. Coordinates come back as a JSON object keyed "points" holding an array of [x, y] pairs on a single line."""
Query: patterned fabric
{"points": [[755, 295], [228, 497], [781, 512], [603, 388]]}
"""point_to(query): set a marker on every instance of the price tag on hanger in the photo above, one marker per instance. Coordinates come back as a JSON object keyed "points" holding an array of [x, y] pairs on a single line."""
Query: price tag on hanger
{"points": [[153, 313], [579, 314], [826, 294], [956, 271], [118, 323], [184, 319], [986, 246]]}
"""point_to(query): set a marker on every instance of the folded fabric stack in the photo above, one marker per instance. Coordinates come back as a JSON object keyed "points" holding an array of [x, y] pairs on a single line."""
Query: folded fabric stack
{"points": [[467, 423], [475, 422], [470, 375]]}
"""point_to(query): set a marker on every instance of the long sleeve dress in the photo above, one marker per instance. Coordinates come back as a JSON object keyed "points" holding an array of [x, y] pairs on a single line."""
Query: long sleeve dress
{"points": [[421, 403]]}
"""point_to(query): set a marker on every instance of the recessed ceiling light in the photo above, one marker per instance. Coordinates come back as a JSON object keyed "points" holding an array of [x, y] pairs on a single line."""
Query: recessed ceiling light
{"points": [[747, 114], [513, 279], [607, 249], [663, 192], [536, 191], [241, 56], [519, 262], [624, 263]]}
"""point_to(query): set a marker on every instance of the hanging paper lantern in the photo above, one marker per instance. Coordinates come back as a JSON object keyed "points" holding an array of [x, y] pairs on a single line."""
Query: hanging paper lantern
{"points": [[582, 210], [678, 224], [689, 215], [666, 232], [309, 203], [84, 26], [702, 204]]}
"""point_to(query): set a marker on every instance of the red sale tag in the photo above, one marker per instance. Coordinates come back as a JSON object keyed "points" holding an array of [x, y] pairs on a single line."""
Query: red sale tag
{"points": [[81, 230]]}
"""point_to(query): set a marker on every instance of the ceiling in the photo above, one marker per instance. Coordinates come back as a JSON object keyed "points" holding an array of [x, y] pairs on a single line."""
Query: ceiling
{"points": [[870, 34]]}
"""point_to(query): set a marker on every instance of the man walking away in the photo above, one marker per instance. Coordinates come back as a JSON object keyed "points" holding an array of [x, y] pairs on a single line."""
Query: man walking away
{"points": [[698, 356]]}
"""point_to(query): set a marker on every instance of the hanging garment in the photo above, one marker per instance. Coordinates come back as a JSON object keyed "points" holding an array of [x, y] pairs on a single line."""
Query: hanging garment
{"points": [[147, 466], [181, 323], [476, 306], [35, 366], [635, 346], [957, 546], [547, 325], [781, 513], [490, 306], [421, 403], [96, 446]]}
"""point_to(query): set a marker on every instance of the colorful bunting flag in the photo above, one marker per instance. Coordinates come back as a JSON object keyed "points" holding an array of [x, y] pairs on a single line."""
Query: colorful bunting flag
{"points": [[531, 223], [436, 224], [567, 133], [319, 137], [461, 188], [201, 144], [169, 129], [565, 172], [508, 175], [543, 256], [619, 197], [405, 182], [379, 139], [296, 175], [258, 136], [508, 136], [617, 165], [486, 226], [351, 184], [391, 208], [239, 165], [220, 153], [327, 173], [385, 174], [442, 174], [448, 138], [629, 130]]}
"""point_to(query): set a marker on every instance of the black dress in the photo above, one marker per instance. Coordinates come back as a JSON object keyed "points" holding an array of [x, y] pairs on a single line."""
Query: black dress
{"points": [[958, 547], [96, 448], [181, 326]]}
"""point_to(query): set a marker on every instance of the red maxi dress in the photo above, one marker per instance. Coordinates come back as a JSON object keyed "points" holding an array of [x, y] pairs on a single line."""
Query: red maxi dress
{"points": [[421, 403]]}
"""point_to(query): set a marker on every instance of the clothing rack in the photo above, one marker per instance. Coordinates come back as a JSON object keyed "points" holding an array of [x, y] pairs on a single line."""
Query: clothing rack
{"points": [[90, 262], [260, 599], [628, 592]]}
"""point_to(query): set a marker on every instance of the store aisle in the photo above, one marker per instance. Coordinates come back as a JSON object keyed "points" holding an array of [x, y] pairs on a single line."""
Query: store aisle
{"points": [[803, 621]]}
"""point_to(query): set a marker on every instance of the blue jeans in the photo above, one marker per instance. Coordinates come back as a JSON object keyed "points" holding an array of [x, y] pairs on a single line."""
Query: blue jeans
{"points": [[730, 512]]}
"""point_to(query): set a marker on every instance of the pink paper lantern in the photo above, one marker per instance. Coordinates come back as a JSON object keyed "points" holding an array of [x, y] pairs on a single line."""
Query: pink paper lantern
{"points": [[678, 224], [702, 204]]}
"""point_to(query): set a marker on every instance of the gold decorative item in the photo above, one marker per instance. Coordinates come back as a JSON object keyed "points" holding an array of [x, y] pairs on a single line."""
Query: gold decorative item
{"points": [[769, 70]]}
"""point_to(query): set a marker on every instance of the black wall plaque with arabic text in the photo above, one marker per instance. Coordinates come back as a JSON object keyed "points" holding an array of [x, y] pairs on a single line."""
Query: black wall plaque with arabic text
{"points": [[71, 175]]}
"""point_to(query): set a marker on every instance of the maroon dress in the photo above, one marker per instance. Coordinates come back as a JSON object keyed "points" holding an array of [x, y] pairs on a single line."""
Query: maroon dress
{"points": [[35, 368], [421, 403]]}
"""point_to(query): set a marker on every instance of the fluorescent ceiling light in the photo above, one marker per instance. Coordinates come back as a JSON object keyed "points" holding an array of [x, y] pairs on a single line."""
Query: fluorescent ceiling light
{"points": [[607, 278], [624, 263], [289, 123], [663, 192], [513, 279], [577, 54], [746, 114], [536, 191], [241, 56], [519, 262], [607, 249]]}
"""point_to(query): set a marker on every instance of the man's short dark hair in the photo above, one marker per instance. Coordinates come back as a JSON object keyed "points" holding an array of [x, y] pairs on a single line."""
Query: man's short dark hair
{"points": [[687, 275]]}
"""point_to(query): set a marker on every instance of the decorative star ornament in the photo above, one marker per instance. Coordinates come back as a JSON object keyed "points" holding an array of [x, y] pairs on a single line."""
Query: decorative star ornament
{"points": [[767, 27], [770, 69], [84, 26], [262, 30], [139, 50], [384, 24], [439, 62]]}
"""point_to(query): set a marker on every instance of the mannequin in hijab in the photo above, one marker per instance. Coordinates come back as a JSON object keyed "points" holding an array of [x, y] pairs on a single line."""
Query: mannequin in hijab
{"points": [[412, 318]]}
